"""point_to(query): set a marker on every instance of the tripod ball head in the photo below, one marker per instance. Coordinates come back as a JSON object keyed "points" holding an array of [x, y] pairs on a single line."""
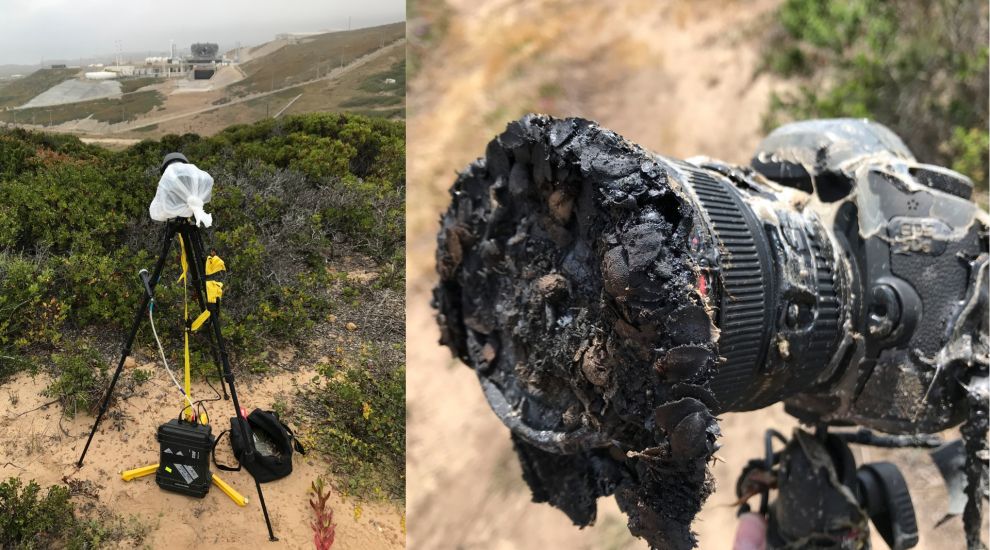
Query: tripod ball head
{"points": [[824, 500], [170, 158], [183, 191]]}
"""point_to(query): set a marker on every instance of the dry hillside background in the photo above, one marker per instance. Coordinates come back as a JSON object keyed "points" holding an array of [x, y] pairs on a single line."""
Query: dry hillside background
{"points": [[342, 71], [676, 76]]}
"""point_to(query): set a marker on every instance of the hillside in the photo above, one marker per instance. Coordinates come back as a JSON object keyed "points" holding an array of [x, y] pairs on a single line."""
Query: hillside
{"points": [[129, 106], [312, 56], [309, 219], [15, 93], [317, 73], [360, 91]]}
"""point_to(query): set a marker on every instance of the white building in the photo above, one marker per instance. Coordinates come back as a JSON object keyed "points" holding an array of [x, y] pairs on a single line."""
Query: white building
{"points": [[101, 75], [124, 70]]}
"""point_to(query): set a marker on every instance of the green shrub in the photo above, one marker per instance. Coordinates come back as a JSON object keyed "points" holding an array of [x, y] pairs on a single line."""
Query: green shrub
{"points": [[15, 155], [30, 313], [140, 376], [80, 378], [290, 194], [968, 150], [361, 424], [31, 520], [921, 68]]}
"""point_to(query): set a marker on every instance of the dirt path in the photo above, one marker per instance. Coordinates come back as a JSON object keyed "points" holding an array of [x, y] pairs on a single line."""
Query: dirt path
{"points": [[287, 105], [676, 77], [111, 143], [38, 445]]}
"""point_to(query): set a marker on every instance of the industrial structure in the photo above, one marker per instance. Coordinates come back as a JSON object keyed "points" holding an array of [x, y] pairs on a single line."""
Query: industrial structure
{"points": [[200, 64]]}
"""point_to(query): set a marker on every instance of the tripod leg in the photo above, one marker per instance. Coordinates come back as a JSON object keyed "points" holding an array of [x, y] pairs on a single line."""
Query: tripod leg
{"points": [[195, 248], [191, 234], [129, 341], [264, 510]]}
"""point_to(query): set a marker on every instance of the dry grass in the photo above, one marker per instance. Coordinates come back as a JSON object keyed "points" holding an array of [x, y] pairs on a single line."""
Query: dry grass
{"points": [[127, 107], [309, 58]]}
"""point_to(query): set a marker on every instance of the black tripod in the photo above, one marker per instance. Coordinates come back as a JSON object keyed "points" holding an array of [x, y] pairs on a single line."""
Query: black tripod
{"points": [[195, 259], [823, 499]]}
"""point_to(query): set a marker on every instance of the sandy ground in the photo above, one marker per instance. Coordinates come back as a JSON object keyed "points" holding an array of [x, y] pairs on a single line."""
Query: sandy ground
{"points": [[677, 77], [41, 445]]}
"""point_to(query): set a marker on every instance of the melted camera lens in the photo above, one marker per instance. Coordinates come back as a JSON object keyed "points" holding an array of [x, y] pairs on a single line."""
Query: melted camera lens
{"points": [[612, 301]]}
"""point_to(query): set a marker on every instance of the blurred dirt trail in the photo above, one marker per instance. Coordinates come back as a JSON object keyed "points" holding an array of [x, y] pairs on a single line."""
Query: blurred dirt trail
{"points": [[676, 77]]}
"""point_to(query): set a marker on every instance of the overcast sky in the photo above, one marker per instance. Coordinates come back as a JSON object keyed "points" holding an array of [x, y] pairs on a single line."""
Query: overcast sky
{"points": [[71, 29]]}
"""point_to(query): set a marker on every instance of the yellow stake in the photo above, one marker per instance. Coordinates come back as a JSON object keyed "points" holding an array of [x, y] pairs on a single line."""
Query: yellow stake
{"points": [[187, 411], [238, 498], [139, 472]]}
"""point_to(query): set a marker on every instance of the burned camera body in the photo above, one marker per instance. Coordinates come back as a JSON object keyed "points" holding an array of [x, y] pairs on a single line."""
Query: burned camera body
{"points": [[613, 302], [868, 278]]}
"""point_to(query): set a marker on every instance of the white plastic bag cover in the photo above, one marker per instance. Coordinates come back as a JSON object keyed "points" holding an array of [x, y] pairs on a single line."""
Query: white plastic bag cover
{"points": [[182, 192]]}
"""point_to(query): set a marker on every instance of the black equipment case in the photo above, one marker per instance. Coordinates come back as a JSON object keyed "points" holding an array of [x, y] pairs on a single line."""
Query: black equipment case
{"points": [[184, 464]]}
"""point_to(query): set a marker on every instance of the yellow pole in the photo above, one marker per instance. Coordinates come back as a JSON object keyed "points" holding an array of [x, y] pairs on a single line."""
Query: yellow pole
{"points": [[138, 472], [238, 498], [187, 411]]}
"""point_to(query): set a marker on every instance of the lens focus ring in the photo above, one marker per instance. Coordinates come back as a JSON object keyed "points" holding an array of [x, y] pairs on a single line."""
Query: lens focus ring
{"points": [[745, 280]]}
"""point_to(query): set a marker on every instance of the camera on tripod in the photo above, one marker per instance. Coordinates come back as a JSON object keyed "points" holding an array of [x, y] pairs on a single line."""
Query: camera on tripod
{"points": [[183, 191], [185, 443]]}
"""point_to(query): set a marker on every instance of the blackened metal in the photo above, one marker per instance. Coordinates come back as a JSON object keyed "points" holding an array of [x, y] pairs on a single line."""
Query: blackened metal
{"points": [[884, 495], [824, 501], [745, 286], [612, 301], [567, 283], [974, 432], [816, 504], [864, 436]]}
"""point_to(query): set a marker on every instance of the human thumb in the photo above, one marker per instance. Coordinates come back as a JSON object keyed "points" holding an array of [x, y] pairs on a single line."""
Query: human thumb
{"points": [[751, 533]]}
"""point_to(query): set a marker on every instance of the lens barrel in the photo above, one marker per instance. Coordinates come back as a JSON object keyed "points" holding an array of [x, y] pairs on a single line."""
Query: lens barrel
{"points": [[613, 302], [772, 280]]}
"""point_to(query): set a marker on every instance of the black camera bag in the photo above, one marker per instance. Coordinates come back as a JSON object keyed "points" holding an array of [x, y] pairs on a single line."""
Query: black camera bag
{"points": [[264, 467]]}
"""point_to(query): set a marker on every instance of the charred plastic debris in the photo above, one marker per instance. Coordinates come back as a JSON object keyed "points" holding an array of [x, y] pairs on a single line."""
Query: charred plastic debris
{"points": [[613, 302]]}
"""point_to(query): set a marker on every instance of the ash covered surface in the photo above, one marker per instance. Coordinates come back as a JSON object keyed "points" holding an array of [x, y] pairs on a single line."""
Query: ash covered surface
{"points": [[566, 284]]}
